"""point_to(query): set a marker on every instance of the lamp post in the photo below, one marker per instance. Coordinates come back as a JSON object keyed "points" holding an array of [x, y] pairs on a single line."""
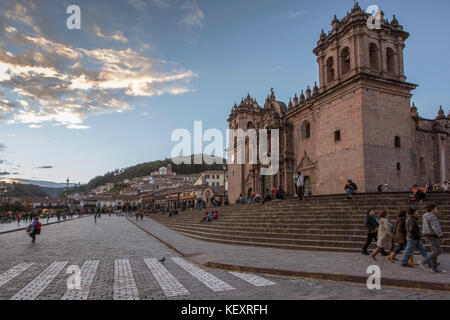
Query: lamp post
{"points": [[67, 195], [224, 191], [5, 191]]}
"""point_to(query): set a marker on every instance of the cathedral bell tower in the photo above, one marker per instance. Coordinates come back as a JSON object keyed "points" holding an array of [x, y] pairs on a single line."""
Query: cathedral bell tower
{"points": [[352, 48]]}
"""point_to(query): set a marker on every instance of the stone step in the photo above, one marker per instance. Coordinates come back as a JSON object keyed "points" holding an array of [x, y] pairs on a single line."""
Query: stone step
{"points": [[296, 220], [326, 244], [284, 230], [270, 235], [324, 223], [286, 224], [273, 245]]}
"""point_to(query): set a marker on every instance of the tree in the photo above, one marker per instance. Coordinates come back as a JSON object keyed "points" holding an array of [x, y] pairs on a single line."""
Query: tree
{"points": [[18, 207]]}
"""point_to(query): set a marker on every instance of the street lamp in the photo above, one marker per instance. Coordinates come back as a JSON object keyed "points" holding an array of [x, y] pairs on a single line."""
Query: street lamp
{"points": [[67, 195], [224, 172], [4, 203]]}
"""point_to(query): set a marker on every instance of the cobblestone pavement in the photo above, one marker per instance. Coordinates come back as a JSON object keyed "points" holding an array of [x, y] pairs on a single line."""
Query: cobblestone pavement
{"points": [[11, 226], [120, 261], [325, 262]]}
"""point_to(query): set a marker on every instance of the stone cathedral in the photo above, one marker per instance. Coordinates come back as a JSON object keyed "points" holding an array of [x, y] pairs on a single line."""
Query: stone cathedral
{"points": [[358, 123]]}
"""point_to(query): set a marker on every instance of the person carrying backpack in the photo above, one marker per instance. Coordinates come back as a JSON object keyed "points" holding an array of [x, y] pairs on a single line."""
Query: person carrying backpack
{"points": [[35, 228]]}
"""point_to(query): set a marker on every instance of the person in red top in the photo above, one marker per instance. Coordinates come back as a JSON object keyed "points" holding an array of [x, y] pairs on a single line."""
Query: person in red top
{"points": [[419, 193], [19, 217], [274, 193], [216, 215], [205, 217], [35, 229]]}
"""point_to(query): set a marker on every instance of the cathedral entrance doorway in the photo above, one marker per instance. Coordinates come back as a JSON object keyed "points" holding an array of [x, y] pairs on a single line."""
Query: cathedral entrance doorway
{"points": [[308, 186], [267, 184]]}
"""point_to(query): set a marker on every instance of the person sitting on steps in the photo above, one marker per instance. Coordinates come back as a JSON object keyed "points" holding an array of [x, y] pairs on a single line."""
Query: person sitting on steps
{"points": [[350, 189]]}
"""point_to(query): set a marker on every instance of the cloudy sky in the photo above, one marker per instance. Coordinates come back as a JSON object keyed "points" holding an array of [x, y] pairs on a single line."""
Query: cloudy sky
{"points": [[82, 102]]}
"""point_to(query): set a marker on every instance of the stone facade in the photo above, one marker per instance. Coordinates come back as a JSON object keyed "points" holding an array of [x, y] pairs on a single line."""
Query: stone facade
{"points": [[358, 123]]}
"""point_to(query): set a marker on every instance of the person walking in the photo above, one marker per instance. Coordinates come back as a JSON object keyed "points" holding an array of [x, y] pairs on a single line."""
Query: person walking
{"points": [[19, 217], [371, 229], [95, 218], [384, 235], [413, 238], [35, 229], [399, 235], [299, 181], [432, 232]]}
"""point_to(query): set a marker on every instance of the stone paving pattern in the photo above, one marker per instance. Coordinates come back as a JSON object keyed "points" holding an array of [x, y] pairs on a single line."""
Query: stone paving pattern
{"points": [[292, 260], [114, 238], [13, 226]]}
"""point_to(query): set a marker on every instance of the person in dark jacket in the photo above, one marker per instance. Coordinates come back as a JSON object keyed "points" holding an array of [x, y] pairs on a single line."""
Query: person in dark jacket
{"points": [[412, 237], [350, 189], [399, 235], [371, 229]]}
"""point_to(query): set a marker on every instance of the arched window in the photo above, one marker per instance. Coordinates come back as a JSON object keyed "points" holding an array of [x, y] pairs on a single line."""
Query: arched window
{"points": [[373, 56], [330, 69], [250, 125], [345, 60], [306, 130], [397, 142], [399, 166], [390, 60]]}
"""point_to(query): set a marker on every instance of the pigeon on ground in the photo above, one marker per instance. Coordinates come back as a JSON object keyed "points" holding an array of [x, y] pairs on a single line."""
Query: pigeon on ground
{"points": [[163, 259]]}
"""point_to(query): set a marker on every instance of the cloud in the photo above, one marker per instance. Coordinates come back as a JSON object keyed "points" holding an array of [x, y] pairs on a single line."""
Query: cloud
{"points": [[2, 148], [161, 3], [291, 14], [296, 13], [44, 167], [4, 173], [138, 4], [77, 127], [20, 13], [116, 35], [54, 83], [194, 16]]}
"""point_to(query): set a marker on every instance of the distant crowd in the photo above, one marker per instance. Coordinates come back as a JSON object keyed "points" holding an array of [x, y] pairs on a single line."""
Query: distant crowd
{"points": [[418, 193]]}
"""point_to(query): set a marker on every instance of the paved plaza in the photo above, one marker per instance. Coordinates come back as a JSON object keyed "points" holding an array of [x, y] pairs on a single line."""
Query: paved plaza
{"points": [[13, 226], [120, 261]]}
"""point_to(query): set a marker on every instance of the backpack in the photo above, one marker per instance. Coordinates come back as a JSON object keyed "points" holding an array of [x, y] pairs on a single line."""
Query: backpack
{"points": [[38, 228]]}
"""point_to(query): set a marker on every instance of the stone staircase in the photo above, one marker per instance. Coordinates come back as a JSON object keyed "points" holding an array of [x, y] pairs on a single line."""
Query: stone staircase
{"points": [[320, 223]]}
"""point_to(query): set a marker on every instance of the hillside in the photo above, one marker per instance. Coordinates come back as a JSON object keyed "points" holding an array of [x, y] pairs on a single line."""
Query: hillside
{"points": [[142, 170], [30, 190]]}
